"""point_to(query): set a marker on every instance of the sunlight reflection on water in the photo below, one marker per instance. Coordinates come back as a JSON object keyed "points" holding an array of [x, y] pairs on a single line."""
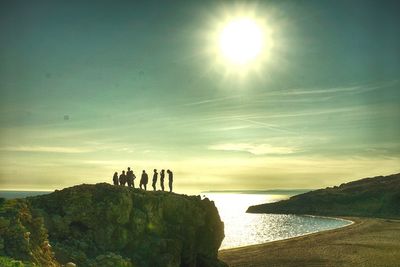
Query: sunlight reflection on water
{"points": [[243, 229]]}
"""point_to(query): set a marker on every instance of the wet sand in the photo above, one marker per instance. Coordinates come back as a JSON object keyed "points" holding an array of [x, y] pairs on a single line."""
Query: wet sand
{"points": [[366, 242]]}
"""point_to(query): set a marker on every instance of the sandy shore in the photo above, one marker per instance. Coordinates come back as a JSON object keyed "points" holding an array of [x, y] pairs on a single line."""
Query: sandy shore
{"points": [[367, 242]]}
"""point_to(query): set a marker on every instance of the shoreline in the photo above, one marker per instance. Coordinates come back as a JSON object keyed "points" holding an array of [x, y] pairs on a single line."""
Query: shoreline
{"points": [[365, 242], [306, 234]]}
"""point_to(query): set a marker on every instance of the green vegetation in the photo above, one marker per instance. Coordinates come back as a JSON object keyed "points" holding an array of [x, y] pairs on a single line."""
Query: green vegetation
{"points": [[104, 225], [369, 197], [9, 262], [23, 236]]}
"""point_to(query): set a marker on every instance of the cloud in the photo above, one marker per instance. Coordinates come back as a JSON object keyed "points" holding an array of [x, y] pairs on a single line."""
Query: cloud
{"points": [[255, 149], [267, 125], [356, 89], [47, 149], [212, 100]]}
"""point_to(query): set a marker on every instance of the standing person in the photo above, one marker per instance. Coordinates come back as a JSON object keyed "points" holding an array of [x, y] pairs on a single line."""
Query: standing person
{"points": [[115, 178], [133, 179], [144, 180], [130, 177], [170, 179], [154, 179], [162, 175], [122, 178]]}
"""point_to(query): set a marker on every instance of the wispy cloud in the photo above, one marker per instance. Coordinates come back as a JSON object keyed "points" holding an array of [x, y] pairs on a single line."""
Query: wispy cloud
{"points": [[319, 91], [48, 149], [308, 113], [267, 125], [354, 89], [212, 100], [255, 149]]}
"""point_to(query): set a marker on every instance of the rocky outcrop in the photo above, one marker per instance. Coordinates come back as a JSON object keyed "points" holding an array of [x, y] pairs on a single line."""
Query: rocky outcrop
{"points": [[104, 225], [369, 197]]}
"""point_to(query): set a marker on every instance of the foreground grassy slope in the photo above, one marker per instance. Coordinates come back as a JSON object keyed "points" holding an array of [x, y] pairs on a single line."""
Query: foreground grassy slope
{"points": [[369, 197]]}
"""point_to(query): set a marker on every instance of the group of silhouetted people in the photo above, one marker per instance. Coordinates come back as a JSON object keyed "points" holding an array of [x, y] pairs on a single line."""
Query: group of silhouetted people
{"points": [[129, 178]]}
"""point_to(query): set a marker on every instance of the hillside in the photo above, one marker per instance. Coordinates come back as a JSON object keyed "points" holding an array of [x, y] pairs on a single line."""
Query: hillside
{"points": [[105, 225], [369, 197]]}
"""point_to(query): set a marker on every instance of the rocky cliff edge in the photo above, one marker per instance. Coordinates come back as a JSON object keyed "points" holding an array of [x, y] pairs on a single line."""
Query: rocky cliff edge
{"points": [[105, 225]]}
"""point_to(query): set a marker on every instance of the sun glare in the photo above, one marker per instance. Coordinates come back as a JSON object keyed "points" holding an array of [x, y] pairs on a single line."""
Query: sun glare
{"points": [[241, 41]]}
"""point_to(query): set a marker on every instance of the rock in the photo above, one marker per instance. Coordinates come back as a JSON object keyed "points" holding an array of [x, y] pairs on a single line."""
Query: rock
{"points": [[70, 264], [105, 225]]}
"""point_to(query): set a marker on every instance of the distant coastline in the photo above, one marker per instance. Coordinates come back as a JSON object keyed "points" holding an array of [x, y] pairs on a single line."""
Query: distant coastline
{"points": [[373, 197], [269, 191], [9, 194]]}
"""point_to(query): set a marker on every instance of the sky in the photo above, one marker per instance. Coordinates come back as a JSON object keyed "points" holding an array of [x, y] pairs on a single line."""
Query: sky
{"points": [[92, 87]]}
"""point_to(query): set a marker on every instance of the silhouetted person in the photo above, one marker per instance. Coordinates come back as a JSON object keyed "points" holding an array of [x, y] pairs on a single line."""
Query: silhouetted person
{"points": [[144, 180], [170, 179], [130, 177], [122, 178], [155, 175], [162, 175], [115, 178]]}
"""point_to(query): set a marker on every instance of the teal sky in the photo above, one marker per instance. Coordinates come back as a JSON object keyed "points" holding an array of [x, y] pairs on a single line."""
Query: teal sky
{"points": [[92, 87]]}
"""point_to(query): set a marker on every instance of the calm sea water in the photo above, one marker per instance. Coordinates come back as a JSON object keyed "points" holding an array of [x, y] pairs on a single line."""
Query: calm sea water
{"points": [[243, 229]]}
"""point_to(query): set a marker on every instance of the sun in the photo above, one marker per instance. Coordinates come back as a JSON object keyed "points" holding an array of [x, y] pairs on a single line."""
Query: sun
{"points": [[241, 41]]}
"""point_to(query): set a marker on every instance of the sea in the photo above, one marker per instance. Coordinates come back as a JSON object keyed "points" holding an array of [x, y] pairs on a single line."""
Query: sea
{"points": [[243, 229]]}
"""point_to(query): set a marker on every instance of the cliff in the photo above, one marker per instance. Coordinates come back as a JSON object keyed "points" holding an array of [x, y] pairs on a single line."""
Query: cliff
{"points": [[105, 225], [369, 197]]}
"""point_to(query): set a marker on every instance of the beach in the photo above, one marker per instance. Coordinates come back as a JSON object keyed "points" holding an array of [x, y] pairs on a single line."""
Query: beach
{"points": [[366, 242]]}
